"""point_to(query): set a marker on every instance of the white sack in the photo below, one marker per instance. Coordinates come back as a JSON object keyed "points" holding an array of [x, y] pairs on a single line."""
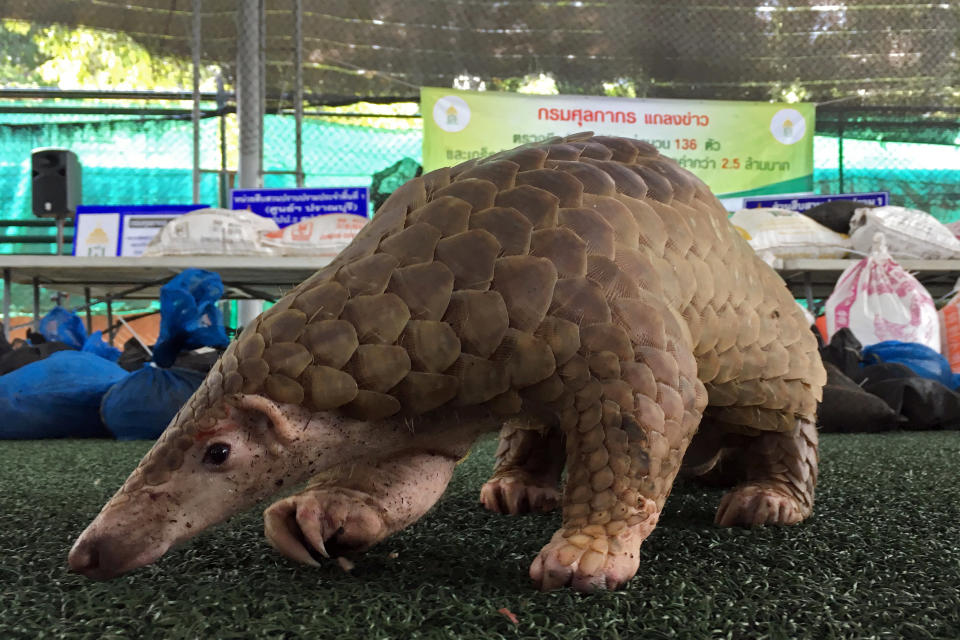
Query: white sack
{"points": [[212, 232], [879, 300], [911, 234], [325, 235], [782, 233]]}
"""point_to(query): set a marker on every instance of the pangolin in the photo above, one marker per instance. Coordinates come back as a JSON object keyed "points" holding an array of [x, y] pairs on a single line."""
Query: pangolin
{"points": [[585, 295]]}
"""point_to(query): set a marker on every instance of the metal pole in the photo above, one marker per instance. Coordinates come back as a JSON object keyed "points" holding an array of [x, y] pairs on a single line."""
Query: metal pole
{"points": [[298, 79], [195, 46], [36, 301], [840, 150], [60, 223], [248, 92], [249, 113], [262, 63], [86, 299], [109, 320], [221, 106], [7, 293]]}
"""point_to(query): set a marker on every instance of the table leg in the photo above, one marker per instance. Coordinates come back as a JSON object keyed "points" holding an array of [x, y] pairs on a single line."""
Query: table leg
{"points": [[110, 320], [86, 300], [36, 302], [7, 293], [59, 235]]}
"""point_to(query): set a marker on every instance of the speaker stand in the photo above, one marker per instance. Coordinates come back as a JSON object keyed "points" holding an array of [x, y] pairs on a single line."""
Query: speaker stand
{"points": [[60, 225]]}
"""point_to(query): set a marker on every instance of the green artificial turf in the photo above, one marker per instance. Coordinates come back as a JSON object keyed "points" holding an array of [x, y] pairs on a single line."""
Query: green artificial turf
{"points": [[879, 559]]}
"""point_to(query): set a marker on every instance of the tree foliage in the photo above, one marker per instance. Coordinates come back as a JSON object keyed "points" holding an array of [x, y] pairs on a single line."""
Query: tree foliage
{"points": [[82, 58]]}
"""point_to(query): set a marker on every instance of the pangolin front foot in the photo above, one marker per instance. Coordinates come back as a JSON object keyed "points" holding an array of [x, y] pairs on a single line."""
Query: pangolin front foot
{"points": [[757, 504], [589, 559], [325, 522], [517, 491]]}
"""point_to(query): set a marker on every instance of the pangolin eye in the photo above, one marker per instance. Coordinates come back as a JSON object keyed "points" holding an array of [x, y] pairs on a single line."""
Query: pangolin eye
{"points": [[217, 453]]}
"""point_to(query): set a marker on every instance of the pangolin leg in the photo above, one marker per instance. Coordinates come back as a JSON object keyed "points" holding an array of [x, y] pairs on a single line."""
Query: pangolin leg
{"points": [[530, 461], [778, 473], [353, 508], [624, 447]]}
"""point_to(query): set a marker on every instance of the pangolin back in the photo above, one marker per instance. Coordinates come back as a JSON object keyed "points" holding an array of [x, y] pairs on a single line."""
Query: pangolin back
{"points": [[492, 281]]}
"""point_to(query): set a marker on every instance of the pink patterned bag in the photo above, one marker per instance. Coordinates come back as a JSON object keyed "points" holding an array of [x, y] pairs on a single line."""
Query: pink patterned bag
{"points": [[880, 301]]}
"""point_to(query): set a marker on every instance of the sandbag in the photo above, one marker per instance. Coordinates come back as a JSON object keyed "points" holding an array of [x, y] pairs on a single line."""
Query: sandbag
{"points": [[782, 233], [844, 352], [883, 371], [923, 403], [63, 326], [134, 356], [142, 404], [96, 345], [836, 214], [847, 408], [189, 317], [212, 232], [910, 233], [878, 300], [325, 235], [58, 397], [922, 360], [23, 354]]}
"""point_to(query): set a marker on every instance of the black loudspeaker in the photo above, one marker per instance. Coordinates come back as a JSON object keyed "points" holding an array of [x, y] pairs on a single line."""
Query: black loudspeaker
{"points": [[56, 182]]}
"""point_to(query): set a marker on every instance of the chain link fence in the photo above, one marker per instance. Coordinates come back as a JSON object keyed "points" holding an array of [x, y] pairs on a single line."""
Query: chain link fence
{"points": [[914, 153], [144, 154], [899, 53]]}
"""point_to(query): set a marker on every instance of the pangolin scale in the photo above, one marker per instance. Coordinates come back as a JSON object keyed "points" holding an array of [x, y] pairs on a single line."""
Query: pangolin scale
{"points": [[590, 294]]}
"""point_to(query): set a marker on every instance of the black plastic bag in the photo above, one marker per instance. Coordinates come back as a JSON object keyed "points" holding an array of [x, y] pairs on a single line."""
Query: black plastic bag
{"points": [[847, 408], [845, 352], [23, 354], [922, 402], [134, 356], [835, 215]]}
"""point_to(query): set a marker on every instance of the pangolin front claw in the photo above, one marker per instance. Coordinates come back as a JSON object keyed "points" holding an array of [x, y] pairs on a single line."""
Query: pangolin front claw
{"points": [[307, 523]]}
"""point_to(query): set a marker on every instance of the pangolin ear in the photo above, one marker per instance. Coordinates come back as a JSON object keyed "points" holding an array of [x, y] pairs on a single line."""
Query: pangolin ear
{"points": [[287, 421]]}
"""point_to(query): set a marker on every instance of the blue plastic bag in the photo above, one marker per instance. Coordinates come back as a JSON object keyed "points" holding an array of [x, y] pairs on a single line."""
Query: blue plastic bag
{"points": [[141, 405], [96, 345], [63, 326], [58, 397], [924, 361], [189, 317]]}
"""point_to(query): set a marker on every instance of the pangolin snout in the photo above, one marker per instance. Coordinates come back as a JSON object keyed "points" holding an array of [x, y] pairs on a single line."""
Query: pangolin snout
{"points": [[103, 557], [85, 558]]}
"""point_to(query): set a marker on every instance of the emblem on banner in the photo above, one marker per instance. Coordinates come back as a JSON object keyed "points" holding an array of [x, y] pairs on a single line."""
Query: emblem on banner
{"points": [[451, 114], [788, 126]]}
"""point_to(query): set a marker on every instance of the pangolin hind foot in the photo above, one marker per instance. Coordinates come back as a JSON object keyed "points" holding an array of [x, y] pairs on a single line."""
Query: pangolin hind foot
{"points": [[526, 478], [778, 473]]}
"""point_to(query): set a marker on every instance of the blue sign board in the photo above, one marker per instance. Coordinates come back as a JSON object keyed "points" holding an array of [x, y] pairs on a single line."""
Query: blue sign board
{"points": [[802, 203], [122, 230], [289, 206]]}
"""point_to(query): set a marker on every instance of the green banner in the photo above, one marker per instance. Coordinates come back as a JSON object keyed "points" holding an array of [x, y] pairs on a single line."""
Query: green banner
{"points": [[737, 148]]}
